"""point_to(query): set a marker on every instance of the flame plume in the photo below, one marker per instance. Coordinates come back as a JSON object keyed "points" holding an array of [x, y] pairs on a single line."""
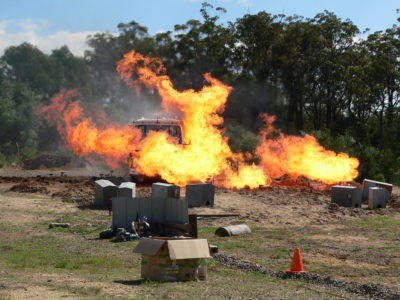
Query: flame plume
{"points": [[206, 154], [295, 156], [83, 136]]}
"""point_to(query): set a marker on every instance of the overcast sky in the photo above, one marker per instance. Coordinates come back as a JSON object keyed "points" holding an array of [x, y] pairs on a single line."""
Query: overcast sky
{"points": [[50, 24]]}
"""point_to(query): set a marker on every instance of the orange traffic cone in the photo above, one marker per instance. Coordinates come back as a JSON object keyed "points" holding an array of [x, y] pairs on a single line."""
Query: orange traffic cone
{"points": [[297, 263]]}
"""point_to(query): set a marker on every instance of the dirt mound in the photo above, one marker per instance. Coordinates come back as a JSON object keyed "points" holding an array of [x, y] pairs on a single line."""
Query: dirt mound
{"points": [[143, 192], [46, 161], [80, 197], [26, 188], [78, 190], [75, 191], [394, 202]]}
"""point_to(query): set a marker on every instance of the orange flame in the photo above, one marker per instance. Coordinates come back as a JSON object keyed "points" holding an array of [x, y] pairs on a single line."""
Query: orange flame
{"points": [[297, 156], [83, 136], [206, 154]]}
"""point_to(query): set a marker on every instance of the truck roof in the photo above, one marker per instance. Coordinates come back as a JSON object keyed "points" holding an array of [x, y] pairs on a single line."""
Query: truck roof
{"points": [[158, 121]]}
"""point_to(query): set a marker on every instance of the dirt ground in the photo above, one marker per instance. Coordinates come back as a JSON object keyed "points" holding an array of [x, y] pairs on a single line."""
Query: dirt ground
{"points": [[289, 206], [302, 214], [277, 205]]}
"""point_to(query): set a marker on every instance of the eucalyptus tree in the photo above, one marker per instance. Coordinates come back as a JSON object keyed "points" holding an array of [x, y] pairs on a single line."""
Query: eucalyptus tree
{"points": [[336, 38], [296, 60], [27, 64], [199, 47], [255, 71], [384, 73], [110, 92], [71, 71], [18, 130]]}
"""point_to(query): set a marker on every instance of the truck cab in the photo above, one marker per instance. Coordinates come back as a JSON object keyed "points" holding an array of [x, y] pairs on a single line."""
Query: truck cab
{"points": [[173, 127]]}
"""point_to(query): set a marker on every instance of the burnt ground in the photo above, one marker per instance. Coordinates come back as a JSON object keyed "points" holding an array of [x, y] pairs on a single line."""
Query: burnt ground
{"points": [[353, 245]]}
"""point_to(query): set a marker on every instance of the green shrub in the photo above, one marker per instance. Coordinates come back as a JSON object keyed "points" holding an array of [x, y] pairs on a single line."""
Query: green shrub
{"points": [[337, 143], [3, 160], [375, 163], [242, 141]]}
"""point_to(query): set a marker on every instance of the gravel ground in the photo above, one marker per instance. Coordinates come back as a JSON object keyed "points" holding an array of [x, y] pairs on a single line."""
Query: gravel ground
{"points": [[372, 291]]}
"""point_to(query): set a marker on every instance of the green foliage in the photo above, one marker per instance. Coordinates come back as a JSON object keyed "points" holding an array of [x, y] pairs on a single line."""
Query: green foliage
{"points": [[71, 71], [242, 141], [381, 165], [3, 160], [377, 164], [27, 64], [18, 104], [28, 79], [337, 143]]}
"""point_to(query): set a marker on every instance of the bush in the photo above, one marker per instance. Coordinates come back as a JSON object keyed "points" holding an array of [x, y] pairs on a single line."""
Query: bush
{"points": [[242, 141], [337, 143], [377, 164], [3, 161]]}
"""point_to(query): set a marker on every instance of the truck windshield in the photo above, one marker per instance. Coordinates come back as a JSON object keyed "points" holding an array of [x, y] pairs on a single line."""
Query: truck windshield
{"points": [[172, 130]]}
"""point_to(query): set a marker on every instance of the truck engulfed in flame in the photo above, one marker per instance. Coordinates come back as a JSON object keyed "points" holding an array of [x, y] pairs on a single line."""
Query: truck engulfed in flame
{"points": [[200, 151], [173, 127]]}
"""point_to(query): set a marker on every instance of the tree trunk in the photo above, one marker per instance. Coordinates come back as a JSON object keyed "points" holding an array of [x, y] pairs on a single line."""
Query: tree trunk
{"points": [[299, 113]]}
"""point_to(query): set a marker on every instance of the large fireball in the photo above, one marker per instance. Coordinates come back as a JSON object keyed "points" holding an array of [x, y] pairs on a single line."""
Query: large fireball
{"points": [[205, 154]]}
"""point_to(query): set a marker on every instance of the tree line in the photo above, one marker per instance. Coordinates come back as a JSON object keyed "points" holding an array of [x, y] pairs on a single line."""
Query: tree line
{"points": [[319, 75]]}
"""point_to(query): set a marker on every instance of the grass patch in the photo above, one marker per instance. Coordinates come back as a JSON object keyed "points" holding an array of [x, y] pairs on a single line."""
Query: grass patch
{"points": [[63, 219], [4, 227], [327, 270], [206, 231], [280, 253], [49, 252], [81, 222], [276, 234], [77, 229], [90, 291], [245, 242], [378, 222]]}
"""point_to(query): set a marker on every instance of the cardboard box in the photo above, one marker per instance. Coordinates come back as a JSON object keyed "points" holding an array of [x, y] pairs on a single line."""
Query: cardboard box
{"points": [[166, 259]]}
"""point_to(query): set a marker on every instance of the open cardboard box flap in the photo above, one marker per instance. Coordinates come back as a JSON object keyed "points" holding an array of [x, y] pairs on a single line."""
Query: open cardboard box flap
{"points": [[148, 246], [177, 248], [187, 249]]}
